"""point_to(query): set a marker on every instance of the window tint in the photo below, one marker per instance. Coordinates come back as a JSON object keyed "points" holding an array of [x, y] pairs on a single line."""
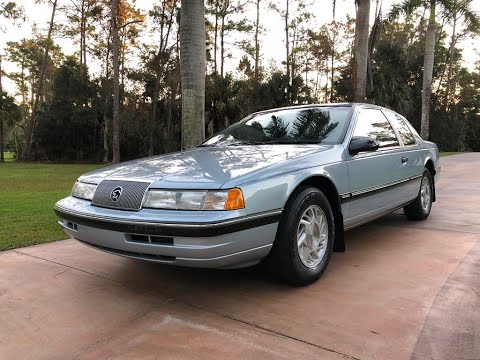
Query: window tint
{"points": [[373, 123]]}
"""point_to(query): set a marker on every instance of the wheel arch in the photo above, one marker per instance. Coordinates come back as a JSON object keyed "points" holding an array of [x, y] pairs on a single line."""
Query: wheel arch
{"points": [[327, 186]]}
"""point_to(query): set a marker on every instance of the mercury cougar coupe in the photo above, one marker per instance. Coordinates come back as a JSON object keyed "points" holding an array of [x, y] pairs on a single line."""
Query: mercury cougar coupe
{"points": [[280, 186]]}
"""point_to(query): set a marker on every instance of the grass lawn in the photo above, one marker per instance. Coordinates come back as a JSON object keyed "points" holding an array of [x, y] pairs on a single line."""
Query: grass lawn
{"points": [[28, 192], [448, 153]]}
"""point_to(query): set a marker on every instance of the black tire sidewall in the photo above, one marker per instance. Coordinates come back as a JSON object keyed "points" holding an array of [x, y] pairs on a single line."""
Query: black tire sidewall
{"points": [[414, 210], [427, 174], [298, 272]]}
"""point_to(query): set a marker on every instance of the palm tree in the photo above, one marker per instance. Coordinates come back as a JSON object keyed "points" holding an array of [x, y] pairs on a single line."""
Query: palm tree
{"points": [[408, 7], [459, 9], [192, 66], [453, 9], [362, 24], [428, 61], [40, 83]]}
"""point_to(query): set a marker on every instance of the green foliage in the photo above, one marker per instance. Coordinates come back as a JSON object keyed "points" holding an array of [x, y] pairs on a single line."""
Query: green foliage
{"points": [[75, 109], [66, 124]]}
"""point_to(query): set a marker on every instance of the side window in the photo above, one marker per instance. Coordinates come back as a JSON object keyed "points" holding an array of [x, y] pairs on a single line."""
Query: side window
{"points": [[403, 129], [405, 133], [373, 123]]}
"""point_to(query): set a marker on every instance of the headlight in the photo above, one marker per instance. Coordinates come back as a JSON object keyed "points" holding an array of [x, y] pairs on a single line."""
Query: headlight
{"points": [[83, 190], [195, 200]]}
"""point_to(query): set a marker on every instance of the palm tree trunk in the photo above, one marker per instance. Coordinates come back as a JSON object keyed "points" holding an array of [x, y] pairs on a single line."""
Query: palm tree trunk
{"points": [[428, 71], [362, 23], [451, 59], [257, 44], [334, 3], [222, 45], [215, 46], [116, 86], [106, 127], [30, 127], [192, 67], [287, 45]]}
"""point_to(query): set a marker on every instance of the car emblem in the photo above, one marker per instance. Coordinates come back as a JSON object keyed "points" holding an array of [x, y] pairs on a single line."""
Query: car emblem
{"points": [[116, 193]]}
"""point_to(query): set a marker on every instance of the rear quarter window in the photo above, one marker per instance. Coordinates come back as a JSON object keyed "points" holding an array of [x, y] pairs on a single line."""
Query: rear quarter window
{"points": [[408, 138]]}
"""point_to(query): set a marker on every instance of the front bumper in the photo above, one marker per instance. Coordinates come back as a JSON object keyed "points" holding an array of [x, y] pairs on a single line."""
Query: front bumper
{"points": [[228, 243]]}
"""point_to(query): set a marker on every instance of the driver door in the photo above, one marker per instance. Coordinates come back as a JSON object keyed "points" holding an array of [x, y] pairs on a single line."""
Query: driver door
{"points": [[373, 175]]}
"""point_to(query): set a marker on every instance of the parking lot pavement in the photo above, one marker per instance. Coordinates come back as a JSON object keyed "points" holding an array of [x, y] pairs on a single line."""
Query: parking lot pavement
{"points": [[402, 290]]}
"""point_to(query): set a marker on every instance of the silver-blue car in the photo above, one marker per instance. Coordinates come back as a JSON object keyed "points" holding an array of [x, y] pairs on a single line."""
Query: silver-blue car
{"points": [[280, 186]]}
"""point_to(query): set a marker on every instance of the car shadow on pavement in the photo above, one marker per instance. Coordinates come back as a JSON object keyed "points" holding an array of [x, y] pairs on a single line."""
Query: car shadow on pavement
{"points": [[175, 282]]}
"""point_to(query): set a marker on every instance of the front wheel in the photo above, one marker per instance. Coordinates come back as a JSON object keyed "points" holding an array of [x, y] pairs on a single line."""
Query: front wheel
{"points": [[420, 208], [304, 240]]}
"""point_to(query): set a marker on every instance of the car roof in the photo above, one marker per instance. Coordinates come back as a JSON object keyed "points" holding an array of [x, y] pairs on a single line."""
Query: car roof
{"points": [[307, 106]]}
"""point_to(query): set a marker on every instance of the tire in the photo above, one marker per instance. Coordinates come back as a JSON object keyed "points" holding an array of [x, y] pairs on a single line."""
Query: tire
{"points": [[420, 208], [285, 260]]}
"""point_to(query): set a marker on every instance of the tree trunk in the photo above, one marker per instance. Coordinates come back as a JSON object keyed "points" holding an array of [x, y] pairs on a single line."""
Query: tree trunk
{"points": [[428, 72], [165, 30], [83, 20], [153, 118], [362, 23], [257, 45], [287, 45], [116, 87], [451, 59], [2, 159], [193, 67], [216, 39], [85, 37], [122, 58], [332, 59], [222, 45], [30, 127], [106, 127]]}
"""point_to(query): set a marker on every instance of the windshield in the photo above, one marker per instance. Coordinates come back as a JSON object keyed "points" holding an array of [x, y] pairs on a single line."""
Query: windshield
{"points": [[318, 125]]}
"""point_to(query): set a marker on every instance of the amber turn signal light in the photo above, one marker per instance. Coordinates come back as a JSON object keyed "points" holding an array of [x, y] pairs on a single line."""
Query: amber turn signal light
{"points": [[234, 200]]}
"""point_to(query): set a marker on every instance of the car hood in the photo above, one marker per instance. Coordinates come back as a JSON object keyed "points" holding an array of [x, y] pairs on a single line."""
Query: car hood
{"points": [[203, 167]]}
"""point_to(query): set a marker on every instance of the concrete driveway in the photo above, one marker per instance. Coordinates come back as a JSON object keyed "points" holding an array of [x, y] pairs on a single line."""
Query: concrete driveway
{"points": [[402, 290]]}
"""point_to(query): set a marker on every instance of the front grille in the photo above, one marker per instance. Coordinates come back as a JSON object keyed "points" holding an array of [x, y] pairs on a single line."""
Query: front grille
{"points": [[120, 194]]}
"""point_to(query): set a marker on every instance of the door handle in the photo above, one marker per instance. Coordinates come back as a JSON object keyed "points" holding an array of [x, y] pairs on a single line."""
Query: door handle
{"points": [[404, 159]]}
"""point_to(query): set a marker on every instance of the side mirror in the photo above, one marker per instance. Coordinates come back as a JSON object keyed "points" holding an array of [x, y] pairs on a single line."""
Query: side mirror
{"points": [[362, 143]]}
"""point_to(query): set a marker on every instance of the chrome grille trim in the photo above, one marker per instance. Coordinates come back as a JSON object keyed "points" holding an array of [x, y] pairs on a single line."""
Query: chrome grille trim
{"points": [[131, 198]]}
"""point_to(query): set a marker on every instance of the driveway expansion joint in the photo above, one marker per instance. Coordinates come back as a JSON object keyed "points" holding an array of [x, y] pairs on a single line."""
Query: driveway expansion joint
{"points": [[133, 320], [68, 266], [170, 299], [267, 330]]}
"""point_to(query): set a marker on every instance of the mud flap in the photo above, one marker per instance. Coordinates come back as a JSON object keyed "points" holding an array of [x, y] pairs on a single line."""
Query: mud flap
{"points": [[434, 197], [339, 242]]}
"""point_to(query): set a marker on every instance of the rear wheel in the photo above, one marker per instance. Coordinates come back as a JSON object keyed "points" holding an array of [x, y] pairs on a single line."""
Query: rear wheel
{"points": [[304, 240], [420, 208]]}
